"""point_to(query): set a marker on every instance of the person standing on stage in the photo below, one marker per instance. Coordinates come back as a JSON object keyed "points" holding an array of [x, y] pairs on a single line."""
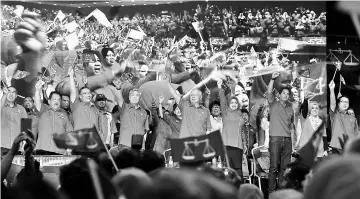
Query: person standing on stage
{"points": [[196, 118], [281, 125], [342, 124], [53, 119], [233, 123], [11, 114]]}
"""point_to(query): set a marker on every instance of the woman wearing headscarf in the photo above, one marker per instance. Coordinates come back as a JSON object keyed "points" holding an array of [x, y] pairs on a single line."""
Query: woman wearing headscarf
{"points": [[231, 133]]}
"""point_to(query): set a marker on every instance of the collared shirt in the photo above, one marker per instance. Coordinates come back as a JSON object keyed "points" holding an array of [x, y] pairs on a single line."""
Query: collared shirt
{"points": [[106, 125], [216, 123], [85, 115], [196, 120], [281, 117], [51, 122], [134, 120], [11, 123], [34, 114], [233, 123], [341, 124]]}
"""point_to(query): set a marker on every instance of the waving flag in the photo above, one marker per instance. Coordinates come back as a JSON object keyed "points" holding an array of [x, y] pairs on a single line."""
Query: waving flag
{"points": [[71, 27], [193, 149], [60, 15], [342, 79], [19, 10], [81, 140], [100, 17], [135, 34]]}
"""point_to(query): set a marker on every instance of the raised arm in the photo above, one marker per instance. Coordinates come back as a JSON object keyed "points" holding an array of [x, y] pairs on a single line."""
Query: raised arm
{"points": [[3, 98], [73, 90], [37, 97], [118, 95], [223, 102], [161, 99], [207, 99], [332, 96], [269, 94], [176, 96]]}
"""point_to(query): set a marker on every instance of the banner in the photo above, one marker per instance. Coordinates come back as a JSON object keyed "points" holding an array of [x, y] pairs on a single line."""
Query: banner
{"points": [[193, 149], [275, 40], [319, 41], [290, 44], [246, 40]]}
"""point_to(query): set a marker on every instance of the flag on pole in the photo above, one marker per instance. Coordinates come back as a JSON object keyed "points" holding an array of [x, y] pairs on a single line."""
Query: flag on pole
{"points": [[338, 65], [135, 34], [141, 30], [71, 27], [342, 79], [100, 17], [193, 149], [60, 15], [82, 140], [19, 10], [102, 185]]}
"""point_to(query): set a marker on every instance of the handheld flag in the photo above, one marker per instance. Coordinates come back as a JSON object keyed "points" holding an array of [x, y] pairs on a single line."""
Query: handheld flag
{"points": [[60, 15], [193, 149], [342, 79], [82, 140]]}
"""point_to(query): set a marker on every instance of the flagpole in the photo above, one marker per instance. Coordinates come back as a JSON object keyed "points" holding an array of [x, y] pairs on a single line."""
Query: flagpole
{"points": [[95, 178], [334, 74], [108, 152]]}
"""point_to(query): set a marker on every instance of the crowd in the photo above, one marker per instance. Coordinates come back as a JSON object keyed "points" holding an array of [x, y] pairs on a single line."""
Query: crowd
{"points": [[138, 97]]}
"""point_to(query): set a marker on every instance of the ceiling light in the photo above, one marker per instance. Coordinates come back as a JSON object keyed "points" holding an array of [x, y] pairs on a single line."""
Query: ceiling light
{"points": [[107, 2], [144, 4], [122, 5], [157, 3], [54, 4], [94, 3], [83, 4]]}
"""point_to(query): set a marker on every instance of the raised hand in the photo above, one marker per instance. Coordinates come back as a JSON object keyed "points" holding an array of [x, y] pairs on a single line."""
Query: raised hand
{"points": [[332, 85], [39, 85], [207, 91], [31, 33], [275, 75], [219, 83], [161, 99]]}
